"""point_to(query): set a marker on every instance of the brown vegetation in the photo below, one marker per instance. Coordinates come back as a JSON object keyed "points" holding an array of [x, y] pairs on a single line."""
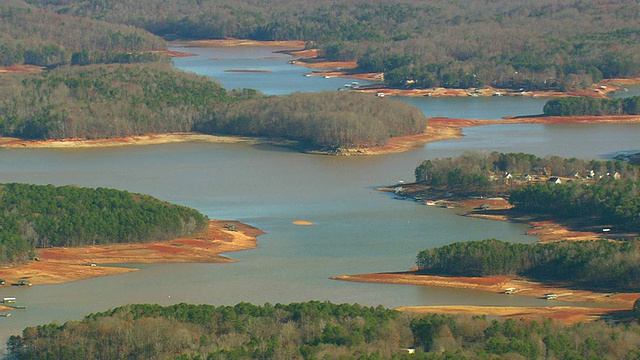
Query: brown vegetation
{"points": [[59, 265]]}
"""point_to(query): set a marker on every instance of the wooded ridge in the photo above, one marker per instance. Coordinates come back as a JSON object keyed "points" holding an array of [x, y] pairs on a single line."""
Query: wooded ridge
{"points": [[558, 45], [39, 216], [605, 265], [315, 330], [604, 191]]}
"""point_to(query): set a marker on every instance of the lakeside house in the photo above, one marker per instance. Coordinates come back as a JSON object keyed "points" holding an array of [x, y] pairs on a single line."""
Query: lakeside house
{"points": [[554, 180]]}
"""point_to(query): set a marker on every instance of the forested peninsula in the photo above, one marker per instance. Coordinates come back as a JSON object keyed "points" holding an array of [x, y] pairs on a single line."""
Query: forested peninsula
{"points": [[44, 216]]}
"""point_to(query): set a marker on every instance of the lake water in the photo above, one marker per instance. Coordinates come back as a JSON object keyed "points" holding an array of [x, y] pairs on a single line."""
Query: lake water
{"points": [[358, 229]]}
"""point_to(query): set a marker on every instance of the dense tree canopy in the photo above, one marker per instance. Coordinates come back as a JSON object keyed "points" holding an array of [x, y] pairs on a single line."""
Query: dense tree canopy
{"points": [[108, 101], [595, 264], [315, 330], [38, 216], [515, 44], [326, 120], [572, 106], [33, 36], [606, 192]]}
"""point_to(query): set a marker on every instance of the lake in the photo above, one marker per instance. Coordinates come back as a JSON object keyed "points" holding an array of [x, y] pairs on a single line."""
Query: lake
{"points": [[358, 229]]}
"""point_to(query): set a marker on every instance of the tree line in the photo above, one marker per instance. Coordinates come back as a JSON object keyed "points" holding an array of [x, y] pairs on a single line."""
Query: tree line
{"points": [[442, 43], [314, 330], [606, 265], [610, 201], [108, 101], [41, 216], [324, 120], [572, 106], [495, 172], [33, 36], [105, 101], [607, 192]]}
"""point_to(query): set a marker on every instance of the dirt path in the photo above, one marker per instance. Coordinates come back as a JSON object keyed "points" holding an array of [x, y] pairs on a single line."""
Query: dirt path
{"points": [[60, 265]]}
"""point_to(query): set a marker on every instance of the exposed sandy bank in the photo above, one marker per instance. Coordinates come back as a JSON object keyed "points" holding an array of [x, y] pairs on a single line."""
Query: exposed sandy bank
{"points": [[153, 139], [60, 265], [449, 128], [21, 69], [437, 129], [566, 314], [498, 284]]}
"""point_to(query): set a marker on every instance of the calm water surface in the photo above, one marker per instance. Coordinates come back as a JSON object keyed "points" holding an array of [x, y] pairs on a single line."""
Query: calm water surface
{"points": [[357, 229]]}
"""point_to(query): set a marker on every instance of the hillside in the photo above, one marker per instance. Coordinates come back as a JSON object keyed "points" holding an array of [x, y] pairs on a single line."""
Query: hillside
{"points": [[43, 216], [456, 44]]}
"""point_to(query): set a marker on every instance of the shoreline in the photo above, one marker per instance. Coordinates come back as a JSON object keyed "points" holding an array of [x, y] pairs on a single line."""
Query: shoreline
{"points": [[603, 303], [62, 265], [437, 129], [138, 140]]}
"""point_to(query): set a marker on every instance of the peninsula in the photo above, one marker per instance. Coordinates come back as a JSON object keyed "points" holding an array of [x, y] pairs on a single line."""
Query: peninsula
{"points": [[60, 265]]}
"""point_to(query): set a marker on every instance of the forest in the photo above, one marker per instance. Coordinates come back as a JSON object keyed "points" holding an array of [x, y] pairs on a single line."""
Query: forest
{"points": [[103, 73], [558, 45], [324, 120], [605, 192], [40, 216], [106, 80], [316, 330], [603, 265], [575, 106], [103, 101]]}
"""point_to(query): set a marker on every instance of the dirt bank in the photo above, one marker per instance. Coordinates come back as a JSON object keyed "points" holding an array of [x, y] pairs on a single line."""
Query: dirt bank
{"points": [[497, 284], [60, 265], [285, 44], [568, 315], [437, 129], [152, 139], [449, 128]]}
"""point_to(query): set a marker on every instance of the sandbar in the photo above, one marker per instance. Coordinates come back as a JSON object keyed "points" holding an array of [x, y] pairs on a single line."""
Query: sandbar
{"points": [[303, 223], [61, 265]]}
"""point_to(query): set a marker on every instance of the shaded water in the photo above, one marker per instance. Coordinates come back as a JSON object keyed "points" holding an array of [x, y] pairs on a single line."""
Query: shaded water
{"points": [[357, 230]]}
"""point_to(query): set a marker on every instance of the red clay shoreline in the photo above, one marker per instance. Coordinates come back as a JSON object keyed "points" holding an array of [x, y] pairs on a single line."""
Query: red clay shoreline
{"points": [[61, 265]]}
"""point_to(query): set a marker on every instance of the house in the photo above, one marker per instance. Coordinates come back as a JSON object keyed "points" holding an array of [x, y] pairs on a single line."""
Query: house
{"points": [[554, 180]]}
